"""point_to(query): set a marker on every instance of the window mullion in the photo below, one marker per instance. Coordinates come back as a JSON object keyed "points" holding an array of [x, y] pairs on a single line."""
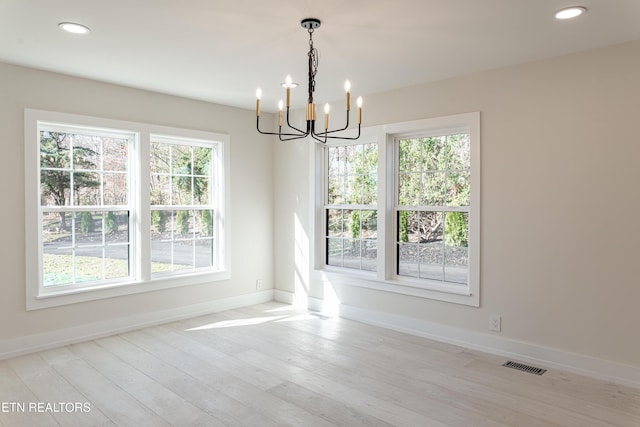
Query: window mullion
{"points": [[141, 173]]}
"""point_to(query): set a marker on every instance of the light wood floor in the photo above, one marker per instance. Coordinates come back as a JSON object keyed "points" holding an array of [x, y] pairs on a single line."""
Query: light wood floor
{"points": [[270, 365]]}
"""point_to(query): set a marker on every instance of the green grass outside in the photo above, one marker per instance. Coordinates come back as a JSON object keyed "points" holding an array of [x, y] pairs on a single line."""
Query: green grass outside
{"points": [[57, 269]]}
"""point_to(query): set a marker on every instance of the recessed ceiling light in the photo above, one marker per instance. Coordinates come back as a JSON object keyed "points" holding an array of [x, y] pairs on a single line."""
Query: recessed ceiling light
{"points": [[570, 12], [74, 28]]}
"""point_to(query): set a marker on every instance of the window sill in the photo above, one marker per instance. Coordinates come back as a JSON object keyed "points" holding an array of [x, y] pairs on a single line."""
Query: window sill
{"points": [[53, 298], [423, 289]]}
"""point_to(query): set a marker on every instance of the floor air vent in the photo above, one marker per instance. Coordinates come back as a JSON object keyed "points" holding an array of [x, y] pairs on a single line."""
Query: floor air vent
{"points": [[524, 368]]}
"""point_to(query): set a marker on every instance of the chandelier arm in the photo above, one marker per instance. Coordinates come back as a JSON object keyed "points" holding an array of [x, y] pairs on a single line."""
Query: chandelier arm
{"points": [[346, 126], [301, 134], [323, 141], [293, 127], [292, 138], [352, 138]]}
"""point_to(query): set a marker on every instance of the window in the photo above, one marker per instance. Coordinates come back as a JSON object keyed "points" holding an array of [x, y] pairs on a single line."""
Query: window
{"points": [[121, 207], [183, 212], [351, 214], [402, 214], [85, 205], [432, 208]]}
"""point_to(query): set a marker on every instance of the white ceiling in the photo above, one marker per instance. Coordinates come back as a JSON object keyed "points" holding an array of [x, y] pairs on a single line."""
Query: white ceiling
{"points": [[222, 50]]}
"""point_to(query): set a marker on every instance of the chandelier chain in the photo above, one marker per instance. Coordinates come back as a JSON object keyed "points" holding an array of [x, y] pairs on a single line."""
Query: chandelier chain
{"points": [[313, 66]]}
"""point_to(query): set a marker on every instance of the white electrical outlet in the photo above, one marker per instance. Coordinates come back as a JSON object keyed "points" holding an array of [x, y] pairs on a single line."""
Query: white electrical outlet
{"points": [[258, 284], [495, 322]]}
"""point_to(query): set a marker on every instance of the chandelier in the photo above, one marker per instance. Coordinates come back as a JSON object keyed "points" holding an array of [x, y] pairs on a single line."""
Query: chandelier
{"points": [[310, 24]]}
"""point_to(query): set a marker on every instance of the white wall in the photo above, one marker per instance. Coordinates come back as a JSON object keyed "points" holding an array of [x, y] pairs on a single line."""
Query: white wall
{"points": [[251, 197], [560, 204]]}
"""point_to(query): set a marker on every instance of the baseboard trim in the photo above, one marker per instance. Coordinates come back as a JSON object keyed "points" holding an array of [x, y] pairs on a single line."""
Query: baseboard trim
{"points": [[43, 341], [493, 344], [525, 352]]}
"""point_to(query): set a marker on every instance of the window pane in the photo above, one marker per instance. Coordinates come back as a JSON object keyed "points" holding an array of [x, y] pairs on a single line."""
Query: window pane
{"points": [[160, 190], [182, 255], [408, 156], [181, 160], [87, 264], [351, 223], [433, 189], [456, 267], [336, 190], [369, 221], [160, 158], [336, 161], [86, 189], [116, 227], [456, 229], [206, 223], [431, 227], [115, 154], [458, 189], [409, 189], [353, 190], [434, 153], [370, 166], [351, 253], [181, 190], [204, 253], [370, 255], [55, 150], [57, 267], [370, 196], [353, 159], [160, 254], [54, 188], [87, 151], [459, 152], [201, 191], [432, 261], [408, 255], [116, 262], [334, 225], [202, 161], [408, 226], [334, 247], [115, 189], [87, 228], [182, 224]]}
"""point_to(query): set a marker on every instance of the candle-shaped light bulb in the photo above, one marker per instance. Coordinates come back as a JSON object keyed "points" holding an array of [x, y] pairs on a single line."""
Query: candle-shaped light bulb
{"points": [[359, 110], [258, 96], [280, 107], [347, 89], [287, 84], [326, 116]]}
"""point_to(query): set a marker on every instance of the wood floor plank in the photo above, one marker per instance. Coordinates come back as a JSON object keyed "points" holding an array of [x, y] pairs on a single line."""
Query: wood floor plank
{"points": [[13, 392], [229, 411], [169, 406], [274, 410], [55, 394], [121, 407]]}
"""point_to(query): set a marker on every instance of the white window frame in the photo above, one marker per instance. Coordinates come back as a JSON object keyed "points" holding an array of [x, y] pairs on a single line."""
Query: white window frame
{"points": [[386, 279], [347, 206], [37, 296]]}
